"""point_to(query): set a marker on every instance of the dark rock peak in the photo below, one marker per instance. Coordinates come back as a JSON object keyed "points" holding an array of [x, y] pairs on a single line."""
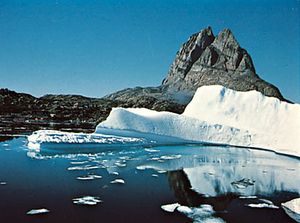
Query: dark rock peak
{"points": [[189, 53], [222, 52], [208, 60]]}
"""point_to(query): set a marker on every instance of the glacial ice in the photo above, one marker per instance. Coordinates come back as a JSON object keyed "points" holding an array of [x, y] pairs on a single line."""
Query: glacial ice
{"points": [[216, 115]]}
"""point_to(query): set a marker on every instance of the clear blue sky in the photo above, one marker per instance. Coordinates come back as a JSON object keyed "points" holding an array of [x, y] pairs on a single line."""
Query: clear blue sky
{"points": [[96, 47]]}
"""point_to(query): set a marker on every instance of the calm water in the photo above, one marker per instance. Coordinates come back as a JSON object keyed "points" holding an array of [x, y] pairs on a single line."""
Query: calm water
{"points": [[189, 175]]}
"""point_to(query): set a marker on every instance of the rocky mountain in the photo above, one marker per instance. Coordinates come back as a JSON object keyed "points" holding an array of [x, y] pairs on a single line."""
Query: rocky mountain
{"points": [[205, 59]]}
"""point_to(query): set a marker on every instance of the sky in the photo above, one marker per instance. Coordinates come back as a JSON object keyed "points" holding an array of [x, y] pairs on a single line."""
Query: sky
{"points": [[94, 48]]}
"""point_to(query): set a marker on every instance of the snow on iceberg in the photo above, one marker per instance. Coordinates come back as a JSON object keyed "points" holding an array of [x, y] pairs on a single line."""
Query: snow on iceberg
{"points": [[216, 115]]}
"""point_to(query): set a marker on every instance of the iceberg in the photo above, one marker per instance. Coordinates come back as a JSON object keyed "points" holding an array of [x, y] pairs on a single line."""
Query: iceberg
{"points": [[216, 115], [292, 208]]}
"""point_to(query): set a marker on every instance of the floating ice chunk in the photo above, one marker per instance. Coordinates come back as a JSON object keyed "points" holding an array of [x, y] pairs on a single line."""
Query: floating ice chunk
{"points": [[170, 157], [86, 167], [89, 177], [292, 208], [243, 183], [141, 168], [161, 171], [78, 162], [248, 197], [203, 214], [87, 200], [3, 183], [154, 175], [114, 173], [185, 210], [118, 181], [262, 205], [170, 207], [38, 211], [119, 164], [152, 150]]}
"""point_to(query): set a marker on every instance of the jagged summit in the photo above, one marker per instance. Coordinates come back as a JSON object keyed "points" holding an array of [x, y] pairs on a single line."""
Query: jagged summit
{"points": [[206, 59]]}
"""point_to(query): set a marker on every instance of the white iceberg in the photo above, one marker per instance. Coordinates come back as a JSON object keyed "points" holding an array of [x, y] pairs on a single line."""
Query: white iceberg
{"points": [[216, 115], [38, 211], [292, 208]]}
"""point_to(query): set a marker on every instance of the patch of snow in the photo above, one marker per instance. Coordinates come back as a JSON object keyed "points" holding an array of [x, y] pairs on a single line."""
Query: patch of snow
{"points": [[87, 200], [38, 211], [292, 208]]}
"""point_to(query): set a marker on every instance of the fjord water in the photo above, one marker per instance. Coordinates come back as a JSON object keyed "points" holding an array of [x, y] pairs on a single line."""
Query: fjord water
{"points": [[227, 178]]}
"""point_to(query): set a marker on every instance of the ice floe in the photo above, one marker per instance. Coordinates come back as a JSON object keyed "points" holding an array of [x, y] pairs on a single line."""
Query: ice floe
{"points": [[203, 213], [170, 207], [292, 208], [85, 167], [118, 181], [262, 205], [38, 211], [87, 200], [89, 177]]}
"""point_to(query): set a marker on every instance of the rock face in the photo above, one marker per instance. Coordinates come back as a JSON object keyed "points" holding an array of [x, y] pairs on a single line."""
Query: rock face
{"points": [[206, 59]]}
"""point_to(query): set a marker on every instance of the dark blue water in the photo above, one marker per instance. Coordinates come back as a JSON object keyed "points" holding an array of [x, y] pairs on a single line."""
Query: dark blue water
{"points": [[195, 175]]}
